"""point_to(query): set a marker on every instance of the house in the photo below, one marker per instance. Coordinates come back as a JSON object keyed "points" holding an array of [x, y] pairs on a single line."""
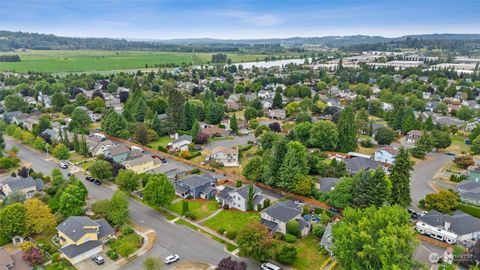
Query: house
{"points": [[180, 143], [449, 228], [413, 135], [277, 114], [473, 173], [196, 186], [265, 94], [13, 261], [8, 116], [82, 237], [327, 184], [386, 155], [356, 164], [141, 164], [27, 186], [118, 153], [327, 239], [469, 191], [238, 198], [276, 217], [214, 132], [232, 106], [267, 103], [227, 156], [101, 148]]}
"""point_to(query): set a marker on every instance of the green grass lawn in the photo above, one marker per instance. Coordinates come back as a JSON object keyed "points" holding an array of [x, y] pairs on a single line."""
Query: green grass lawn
{"points": [[87, 164], [61, 61], [469, 209], [62, 265], [309, 256], [231, 220], [162, 141], [126, 244], [458, 146], [200, 208]]}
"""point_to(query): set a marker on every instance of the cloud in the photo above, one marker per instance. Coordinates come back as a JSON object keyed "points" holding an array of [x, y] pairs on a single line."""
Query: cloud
{"points": [[256, 19]]}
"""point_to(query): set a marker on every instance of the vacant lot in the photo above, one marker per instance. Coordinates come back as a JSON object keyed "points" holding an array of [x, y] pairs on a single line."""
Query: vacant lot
{"points": [[59, 61], [199, 208], [231, 220]]}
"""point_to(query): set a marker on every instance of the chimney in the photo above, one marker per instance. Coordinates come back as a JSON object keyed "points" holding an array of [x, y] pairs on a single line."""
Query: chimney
{"points": [[447, 225]]}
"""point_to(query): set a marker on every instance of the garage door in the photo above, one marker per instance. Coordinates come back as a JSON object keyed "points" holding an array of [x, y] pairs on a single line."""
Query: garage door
{"points": [[86, 255]]}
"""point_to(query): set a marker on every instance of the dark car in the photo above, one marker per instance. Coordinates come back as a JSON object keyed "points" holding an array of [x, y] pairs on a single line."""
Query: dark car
{"points": [[334, 210], [89, 178], [451, 154], [97, 182]]}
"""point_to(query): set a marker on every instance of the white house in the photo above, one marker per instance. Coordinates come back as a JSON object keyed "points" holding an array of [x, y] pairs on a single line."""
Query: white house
{"points": [[449, 228], [277, 114], [180, 143], [238, 198], [386, 155], [276, 217], [227, 156], [28, 186]]}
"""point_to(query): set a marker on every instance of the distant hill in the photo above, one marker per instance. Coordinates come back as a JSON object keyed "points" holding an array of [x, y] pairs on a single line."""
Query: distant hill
{"points": [[17, 40]]}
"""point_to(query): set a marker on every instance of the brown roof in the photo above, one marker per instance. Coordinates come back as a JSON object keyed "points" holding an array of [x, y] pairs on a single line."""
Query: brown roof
{"points": [[213, 131], [391, 150], [221, 149], [414, 133]]}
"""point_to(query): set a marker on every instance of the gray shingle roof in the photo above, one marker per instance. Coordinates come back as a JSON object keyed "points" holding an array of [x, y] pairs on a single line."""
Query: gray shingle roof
{"points": [[194, 181], [356, 164], [72, 251], [243, 191], [460, 222], [119, 149], [105, 228], [73, 227], [22, 183], [327, 183], [283, 211], [270, 224]]}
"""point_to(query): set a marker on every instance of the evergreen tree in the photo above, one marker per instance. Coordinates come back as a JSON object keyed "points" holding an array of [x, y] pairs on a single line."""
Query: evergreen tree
{"points": [[176, 110], [156, 125], [400, 178], [2, 144], [140, 109], [371, 188], [274, 159], [429, 124], [234, 124], [277, 101], [195, 129], [294, 166], [347, 132]]}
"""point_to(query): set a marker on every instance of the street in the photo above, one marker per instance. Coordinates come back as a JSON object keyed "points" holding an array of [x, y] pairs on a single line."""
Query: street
{"points": [[190, 245]]}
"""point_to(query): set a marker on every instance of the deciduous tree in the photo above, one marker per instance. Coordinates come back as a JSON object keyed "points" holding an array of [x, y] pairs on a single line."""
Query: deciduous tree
{"points": [[159, 191]]}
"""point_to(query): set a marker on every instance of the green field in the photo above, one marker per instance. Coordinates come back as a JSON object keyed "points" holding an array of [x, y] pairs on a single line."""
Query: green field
{"points": [[200, 208], [231, 220], [61, 61]]}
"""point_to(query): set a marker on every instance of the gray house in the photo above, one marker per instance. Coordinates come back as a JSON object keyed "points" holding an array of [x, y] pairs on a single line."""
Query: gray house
{"points": [[238, 198], [196, 186], [356, 164], [276, 217], [469, 191], [327, 184], [119, 153], [27, 186]]}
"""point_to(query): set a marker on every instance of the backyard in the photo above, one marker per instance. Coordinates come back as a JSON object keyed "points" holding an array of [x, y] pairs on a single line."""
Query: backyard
{"points": [[162, 141], [231, 220], [309, 254], [198, 207]]}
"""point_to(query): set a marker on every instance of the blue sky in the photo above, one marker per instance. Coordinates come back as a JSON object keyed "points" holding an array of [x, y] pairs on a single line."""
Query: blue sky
{"points": [[165, 19]]}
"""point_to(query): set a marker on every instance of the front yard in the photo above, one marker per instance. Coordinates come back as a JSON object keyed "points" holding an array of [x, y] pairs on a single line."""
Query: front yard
{"points": [[309, 256], [126, 244], [231, 220], [162, 141], [198, 207]]}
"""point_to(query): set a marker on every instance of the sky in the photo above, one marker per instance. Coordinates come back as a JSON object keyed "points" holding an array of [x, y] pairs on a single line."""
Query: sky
{"points": [[240, 19]]}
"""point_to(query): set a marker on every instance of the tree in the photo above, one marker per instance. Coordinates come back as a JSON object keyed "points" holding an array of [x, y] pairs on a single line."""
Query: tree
{"points": [[141, 133], [38, 216], [428, 125], [34, 257], [72, 201], [118, 210], [234, 124], [152, 263], [374, 238], [14, 197], [195, 129], [214, 113], [127, 180], [251, 196], [371, 188], [294, 166], [385, 136], [254, 169], [444, 201], [159, 191], [80, 120], [101, 169], [476, 145], [440, 139], [114, 124], [324, 135], [256, 242], [464, 161], [287, 255], [12, 221], [2, 145], [347, 132], [275, 127], [400, 178], [176, 109], [229, 264], [155, 124], [15, 103], [61, 152], [465, 113]]}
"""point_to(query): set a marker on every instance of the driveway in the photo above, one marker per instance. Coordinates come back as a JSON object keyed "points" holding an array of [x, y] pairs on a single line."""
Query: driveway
{"points": [[190, 245], [89, 264], [423, 175], [228, 143]]}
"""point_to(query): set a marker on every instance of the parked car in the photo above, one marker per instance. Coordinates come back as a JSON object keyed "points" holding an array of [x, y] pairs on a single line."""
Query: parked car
{"points": [[171, 259], [89, 178], [269, 266], [299, 203], [63, 165], [97, 182], [334, 210], [451, 154], [98, 259]]}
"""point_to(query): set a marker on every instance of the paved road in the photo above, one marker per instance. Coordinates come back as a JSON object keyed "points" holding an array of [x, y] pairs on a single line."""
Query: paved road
{"points": [[171, 238], [424, 173]]}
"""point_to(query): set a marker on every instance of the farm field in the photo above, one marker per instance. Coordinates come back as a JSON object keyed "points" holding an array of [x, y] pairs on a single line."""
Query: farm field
{"points": [[62, 61]]}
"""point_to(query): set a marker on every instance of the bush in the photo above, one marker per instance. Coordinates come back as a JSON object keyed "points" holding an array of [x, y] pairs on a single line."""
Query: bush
{"points": [[127, 230], [278, 236], [162, 149], [457, 178], [290, 238], [56, 257], [112, 254], [293, 227], [287, 255], [231, 235], [221, 231], [193, 155], [318, 231], [366, 143], [238, 184], [192, 216], [464, 161], [266, 203]]}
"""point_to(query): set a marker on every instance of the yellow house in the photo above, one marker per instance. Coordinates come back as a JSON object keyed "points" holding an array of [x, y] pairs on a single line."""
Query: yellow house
{"points": [[82, 237], [142, 164]]}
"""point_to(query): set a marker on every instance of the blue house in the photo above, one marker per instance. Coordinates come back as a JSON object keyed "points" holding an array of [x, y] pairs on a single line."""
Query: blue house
{"points": [[196, 186]]}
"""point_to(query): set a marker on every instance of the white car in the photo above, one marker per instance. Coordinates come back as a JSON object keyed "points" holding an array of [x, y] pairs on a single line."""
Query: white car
{"points": [[98, 259], [269, 266], [63, 165], [171, 259], [299, 203]]}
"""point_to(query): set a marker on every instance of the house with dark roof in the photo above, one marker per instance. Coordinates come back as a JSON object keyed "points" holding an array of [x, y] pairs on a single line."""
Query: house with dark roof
{"points": [[82, 237], [141, 164], [327, 184], [276, 216], [449, 228], [238, 198], [196, 186], [469, 191], [356, 164], [27, 186]]}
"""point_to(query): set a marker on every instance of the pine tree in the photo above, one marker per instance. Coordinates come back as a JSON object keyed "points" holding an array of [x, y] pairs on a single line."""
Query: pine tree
{"points": [[140, 109], [176, 110], [400, 177], [277, 101], [429, 124], [371, 188], [195, 130], [274, 159], [347, 131], [234, 124], [294, 166], [2, 144], [156, 125]]}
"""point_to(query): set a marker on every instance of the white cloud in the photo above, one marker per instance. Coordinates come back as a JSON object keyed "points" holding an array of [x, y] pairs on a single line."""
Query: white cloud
{"points": [[256, 19]]}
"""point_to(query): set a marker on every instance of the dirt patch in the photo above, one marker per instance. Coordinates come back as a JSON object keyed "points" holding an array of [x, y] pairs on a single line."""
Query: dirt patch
{"points": [[192, 266]]}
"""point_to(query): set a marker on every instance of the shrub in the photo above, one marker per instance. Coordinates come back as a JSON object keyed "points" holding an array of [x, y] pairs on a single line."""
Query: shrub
{"points": [[290, 238], [231, 235], [238, 184], [266, 203], [226, 206], [56, 257], [464, 161], [287, 255], [293, 227], [112, 254], [162, 149], [259, 207], [278, 236], [26, 246], [127, 230], [366, 143], [221, 230], [318, 231], [192, 216]]}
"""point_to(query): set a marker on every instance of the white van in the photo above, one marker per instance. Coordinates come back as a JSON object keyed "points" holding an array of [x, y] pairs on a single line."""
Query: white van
{"points": [[136, 148], [269, 266]]}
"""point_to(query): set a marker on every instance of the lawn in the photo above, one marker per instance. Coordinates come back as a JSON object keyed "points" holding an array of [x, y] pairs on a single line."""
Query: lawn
{"points": [[162, 141], [62, 265], [44, 241], [87, 164], [309, 254], [458, 146], [198, 207], [469, 209], [61, 61], [126, 245], [231, 220]]}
